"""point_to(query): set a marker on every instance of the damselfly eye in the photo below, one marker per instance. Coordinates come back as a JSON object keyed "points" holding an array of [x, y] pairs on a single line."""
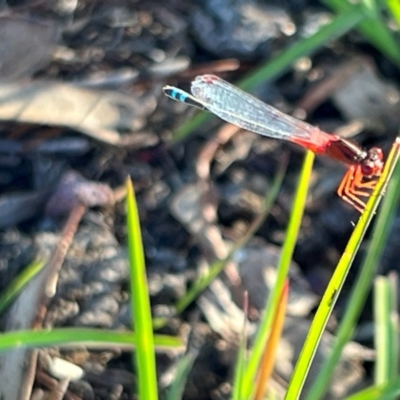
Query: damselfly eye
{"points": [[367, 170]]}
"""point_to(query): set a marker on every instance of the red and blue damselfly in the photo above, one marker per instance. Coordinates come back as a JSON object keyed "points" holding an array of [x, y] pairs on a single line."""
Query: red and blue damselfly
{"points": [[233, 105]]}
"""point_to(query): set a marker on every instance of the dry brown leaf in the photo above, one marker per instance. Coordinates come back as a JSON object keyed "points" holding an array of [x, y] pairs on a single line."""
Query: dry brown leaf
{"points": [[96, 113]]}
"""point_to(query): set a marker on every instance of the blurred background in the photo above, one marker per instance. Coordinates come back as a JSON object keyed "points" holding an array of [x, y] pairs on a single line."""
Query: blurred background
{"points": [[82, 108]]}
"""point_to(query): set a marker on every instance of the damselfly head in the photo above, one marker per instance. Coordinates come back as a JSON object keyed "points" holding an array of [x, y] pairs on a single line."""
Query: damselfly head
{"points": [[372, 165]]}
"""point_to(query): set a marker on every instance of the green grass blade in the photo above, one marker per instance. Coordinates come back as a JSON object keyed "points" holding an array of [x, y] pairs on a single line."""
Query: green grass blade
{"points": [[394, 8], [340, 25], [15, 287], [374, 29], [394, 323], [386, 337], [184, 367], [241, 355], [140, 303], [282, 271], [382, 313], [90, 337], [388, 391], [219, 265], [365, 275]]}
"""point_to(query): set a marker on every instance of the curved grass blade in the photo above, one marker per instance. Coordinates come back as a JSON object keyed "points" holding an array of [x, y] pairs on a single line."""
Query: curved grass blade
{"points": [[388, 391]]}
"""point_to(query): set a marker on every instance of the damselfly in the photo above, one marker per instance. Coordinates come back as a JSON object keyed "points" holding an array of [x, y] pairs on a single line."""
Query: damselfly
{"points": [[240, 108]]}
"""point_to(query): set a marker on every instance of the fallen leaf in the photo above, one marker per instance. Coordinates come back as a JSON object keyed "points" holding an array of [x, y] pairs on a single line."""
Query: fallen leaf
{"points": [[100, 114]]}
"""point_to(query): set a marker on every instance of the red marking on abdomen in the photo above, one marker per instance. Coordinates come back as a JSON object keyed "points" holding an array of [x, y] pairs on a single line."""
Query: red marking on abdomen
{"points": [[318, 142]]}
